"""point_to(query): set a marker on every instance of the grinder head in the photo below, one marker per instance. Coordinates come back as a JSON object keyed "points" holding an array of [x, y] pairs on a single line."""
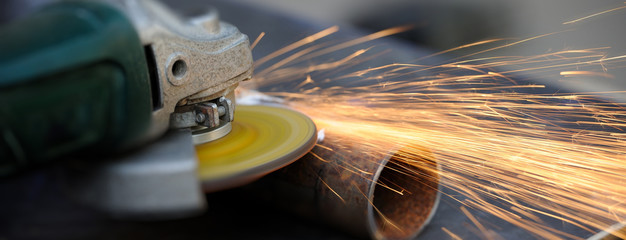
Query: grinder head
{"points": [[262, 140]]}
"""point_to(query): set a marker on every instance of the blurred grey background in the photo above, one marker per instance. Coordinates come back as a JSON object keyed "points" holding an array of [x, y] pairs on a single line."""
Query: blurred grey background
{"points": [[445, 24], [449, 23]]}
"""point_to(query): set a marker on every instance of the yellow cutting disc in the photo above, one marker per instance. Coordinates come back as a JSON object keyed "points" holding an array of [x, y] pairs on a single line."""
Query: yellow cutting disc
{"points": [[263, 139]]}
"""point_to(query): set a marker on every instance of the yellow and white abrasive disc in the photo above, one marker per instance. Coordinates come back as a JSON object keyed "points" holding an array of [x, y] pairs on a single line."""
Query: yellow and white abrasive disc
{"points": [[262, 140]]}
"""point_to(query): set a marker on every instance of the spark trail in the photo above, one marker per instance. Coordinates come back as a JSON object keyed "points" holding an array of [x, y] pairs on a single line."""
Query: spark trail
{"points": [[535, 153]]}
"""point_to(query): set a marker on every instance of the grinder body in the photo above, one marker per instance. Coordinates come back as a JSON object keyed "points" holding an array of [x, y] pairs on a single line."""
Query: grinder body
{"points": [[74, 77]]}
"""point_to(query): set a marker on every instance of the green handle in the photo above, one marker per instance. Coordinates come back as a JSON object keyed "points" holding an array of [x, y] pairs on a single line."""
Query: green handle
{"points": [[73, 77]]}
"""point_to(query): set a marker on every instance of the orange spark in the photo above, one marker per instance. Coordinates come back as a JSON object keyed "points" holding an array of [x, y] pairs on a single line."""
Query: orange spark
{"points": [[593, 15], [298, 44], [586, 73], [452, 235], [257, 40]]}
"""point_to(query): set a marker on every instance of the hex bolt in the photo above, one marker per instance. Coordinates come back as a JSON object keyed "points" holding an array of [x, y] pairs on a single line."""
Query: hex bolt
{"points": [[200, 117]]}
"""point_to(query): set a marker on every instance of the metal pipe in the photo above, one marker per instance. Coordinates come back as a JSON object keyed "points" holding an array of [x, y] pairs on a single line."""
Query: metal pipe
{"points": [[348, 186]]}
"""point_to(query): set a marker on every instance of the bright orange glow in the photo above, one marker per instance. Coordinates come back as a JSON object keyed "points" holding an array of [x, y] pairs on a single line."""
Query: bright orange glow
{"points": [[553, 155]]}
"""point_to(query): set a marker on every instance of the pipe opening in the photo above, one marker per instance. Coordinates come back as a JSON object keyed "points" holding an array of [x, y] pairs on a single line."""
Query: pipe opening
{"points": [[406, 194]]}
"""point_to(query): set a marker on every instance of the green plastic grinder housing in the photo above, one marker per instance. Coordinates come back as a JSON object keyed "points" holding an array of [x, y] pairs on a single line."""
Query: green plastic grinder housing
{"points": [[73, 77]]}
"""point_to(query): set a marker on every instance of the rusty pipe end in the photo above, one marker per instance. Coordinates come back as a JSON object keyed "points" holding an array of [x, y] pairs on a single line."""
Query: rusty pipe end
{"points": [[404, 194], [362, 191]]}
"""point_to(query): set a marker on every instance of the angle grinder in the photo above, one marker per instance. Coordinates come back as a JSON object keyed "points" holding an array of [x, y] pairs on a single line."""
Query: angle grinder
{"points": [[141, 101]]}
